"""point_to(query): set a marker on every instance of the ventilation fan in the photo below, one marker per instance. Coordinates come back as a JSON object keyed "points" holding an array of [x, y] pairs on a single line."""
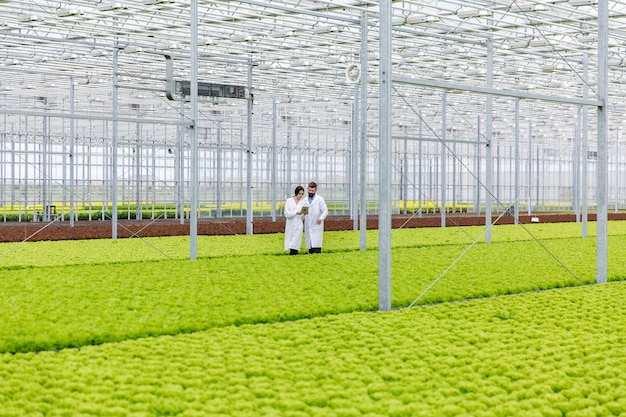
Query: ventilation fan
{"points": [[353, 73]]}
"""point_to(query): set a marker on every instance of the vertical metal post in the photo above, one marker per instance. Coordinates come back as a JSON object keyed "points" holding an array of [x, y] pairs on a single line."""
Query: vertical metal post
{"points": [[114, 146], [405, 171], [602, 129], [288, 162], [454, 174], [180, 168], [138, 204], [517, 162], [420, 157], [616, 163], [530, 166], [478, 169], [44, 163], [576, 158], [443, 168], [218, 174], [354, 161], [585, 150], [274, 161], [193, 136], [488, 156], [71, 153], [384, 214], [249, 208], [363, 138]]}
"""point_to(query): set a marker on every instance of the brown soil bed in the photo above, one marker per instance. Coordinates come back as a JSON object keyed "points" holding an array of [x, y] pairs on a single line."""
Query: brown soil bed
{"points": [[35, 231]]}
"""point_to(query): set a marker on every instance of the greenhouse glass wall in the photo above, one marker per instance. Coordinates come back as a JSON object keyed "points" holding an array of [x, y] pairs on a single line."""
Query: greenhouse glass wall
{"points": [[95, 113]]}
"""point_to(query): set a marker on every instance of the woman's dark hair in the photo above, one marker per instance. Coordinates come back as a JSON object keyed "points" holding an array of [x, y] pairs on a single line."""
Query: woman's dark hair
{"points": [[298, 189]]}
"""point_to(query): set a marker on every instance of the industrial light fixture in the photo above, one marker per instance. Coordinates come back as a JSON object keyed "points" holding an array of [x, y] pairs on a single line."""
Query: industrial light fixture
{"points": [[409, 52], [206, 41], [586, 38], [39, 58], [470, 13], [283, 34], [320, 29], [168, 45], [157, 2], [29, 17], [451, 50], [107, 6], [300, 62], [69, 11], [472, 72], [334, 59], [509, 70], [538, 42], [133, 49], [68, 55], [264, 65], [519, 43], [241, 37], [97, 52], [416, 19], [528, 7], [577, 3], [11, 61], [398, 20]]}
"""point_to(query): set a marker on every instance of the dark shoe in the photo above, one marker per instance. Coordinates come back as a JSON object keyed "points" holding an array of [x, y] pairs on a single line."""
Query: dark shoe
{"points": [[293, 252], [315, 250]]}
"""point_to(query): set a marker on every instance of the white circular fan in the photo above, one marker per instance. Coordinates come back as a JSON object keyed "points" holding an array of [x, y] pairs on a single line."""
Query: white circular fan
{"points": [[353, 73]]}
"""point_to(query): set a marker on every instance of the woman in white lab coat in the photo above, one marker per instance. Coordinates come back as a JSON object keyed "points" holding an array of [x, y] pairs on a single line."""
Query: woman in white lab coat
{"points": [[293, 224], [314, 219]]}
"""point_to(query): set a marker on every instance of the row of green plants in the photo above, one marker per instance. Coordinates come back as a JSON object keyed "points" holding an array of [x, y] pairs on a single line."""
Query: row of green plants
{"points": [[552, 353], [93, 251], [129, 210], [132, 327], [70, 294]]}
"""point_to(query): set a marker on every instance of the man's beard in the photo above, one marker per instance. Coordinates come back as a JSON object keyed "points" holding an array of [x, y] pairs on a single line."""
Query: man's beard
{"points": [[311, 195]]}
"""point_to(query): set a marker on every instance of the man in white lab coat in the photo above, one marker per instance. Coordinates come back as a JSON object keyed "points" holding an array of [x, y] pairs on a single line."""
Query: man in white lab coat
{"points": [[314, 220]]}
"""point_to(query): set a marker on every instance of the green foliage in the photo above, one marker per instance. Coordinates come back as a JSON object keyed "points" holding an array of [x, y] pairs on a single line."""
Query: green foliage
{"points": [[446, 359], [154, 333]]}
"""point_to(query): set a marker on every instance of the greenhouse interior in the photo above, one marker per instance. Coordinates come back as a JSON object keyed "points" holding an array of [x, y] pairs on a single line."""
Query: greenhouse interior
{"points": [[158, 119], [175, 109]]}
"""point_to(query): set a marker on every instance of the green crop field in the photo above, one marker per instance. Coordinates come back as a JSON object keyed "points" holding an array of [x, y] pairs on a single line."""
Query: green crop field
{"points": [[132, 327]]}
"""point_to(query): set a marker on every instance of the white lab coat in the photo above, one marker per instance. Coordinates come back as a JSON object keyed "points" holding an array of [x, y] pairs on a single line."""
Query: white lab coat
{"points": [[313, 232], [293, 224]]}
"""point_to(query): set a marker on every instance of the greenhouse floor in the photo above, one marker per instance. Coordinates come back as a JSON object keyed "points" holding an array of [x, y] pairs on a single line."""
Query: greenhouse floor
{"points": [[61, 230]]}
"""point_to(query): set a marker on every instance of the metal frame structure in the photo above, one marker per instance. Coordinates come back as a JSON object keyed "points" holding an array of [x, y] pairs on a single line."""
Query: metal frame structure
{"points": [[481, 104]]}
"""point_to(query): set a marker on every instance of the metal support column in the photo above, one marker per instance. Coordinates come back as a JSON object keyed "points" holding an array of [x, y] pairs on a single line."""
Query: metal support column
{"points": [[443, 168], [363, 137], [384, 213], [193, 136], [249, 185], [603, 157], [517, 162], [274, 161], [488, 151]]}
